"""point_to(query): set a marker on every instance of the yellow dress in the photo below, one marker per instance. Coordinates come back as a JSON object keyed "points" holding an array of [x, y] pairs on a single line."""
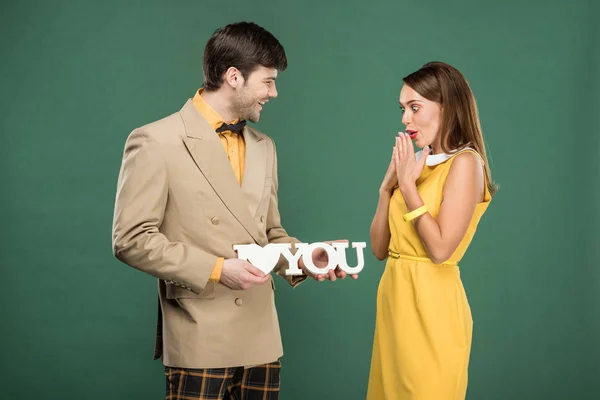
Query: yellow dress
{"points": [[423, 326]]}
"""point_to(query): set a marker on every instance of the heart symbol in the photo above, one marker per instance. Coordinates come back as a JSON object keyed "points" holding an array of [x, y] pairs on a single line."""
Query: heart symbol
{"points": [[263, 258]]}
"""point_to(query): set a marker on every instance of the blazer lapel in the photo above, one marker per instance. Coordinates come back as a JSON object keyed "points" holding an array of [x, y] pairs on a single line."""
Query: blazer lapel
{"points": [[207, 151], [253, 182]]}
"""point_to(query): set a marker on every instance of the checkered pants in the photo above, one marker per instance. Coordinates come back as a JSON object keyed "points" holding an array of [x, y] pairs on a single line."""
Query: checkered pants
{"points": [[236, 383]]}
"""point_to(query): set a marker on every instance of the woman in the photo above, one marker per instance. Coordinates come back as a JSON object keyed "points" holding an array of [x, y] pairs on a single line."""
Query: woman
{"points": [[429, 206]]}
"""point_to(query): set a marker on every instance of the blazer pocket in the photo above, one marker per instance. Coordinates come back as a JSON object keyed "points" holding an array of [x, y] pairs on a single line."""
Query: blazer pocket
{"points": [[177, 292]]}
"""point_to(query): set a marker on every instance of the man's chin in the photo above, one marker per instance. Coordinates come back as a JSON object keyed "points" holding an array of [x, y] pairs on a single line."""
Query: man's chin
{"points": [[254, 118]]}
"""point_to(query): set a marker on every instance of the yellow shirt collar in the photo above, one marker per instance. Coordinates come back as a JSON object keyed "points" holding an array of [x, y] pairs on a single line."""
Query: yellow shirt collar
{"points": [[209, 114]]}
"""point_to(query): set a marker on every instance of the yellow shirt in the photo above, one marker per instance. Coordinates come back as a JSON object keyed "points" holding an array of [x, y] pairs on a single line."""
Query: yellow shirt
{"points": [[234, 146]]}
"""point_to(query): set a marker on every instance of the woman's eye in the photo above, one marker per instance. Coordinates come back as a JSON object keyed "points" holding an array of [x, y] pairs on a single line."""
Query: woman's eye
{"points": [[415, 108]]}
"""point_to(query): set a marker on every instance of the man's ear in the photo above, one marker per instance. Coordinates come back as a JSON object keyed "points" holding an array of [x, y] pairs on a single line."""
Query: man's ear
{"points": [[233, 77]]}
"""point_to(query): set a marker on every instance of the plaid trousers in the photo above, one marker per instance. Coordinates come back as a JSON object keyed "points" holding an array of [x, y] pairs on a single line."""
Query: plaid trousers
{"points": [[235, 383]]}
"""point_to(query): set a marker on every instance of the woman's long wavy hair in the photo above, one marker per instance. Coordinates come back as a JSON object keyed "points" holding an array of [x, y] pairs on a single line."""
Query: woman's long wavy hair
{"points": [[460, 126]]}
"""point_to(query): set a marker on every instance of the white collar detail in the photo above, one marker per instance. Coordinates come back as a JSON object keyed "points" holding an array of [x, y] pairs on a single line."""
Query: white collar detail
{"points": [[435, 159]]}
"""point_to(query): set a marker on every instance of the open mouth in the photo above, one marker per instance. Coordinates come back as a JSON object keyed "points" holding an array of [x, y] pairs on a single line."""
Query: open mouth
{"points": [[412, 134], [262, 103]]}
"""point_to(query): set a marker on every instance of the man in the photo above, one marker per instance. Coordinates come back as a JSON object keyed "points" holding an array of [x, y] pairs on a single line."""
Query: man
{"points": [[191, 186]]}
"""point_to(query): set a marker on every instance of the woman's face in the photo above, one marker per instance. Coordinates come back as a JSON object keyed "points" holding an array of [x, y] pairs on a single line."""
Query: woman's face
{"points": [[422, 118]]}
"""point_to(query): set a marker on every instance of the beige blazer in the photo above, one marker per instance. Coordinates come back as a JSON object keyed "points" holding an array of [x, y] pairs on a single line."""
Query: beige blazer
{"points": [[178, 208]]}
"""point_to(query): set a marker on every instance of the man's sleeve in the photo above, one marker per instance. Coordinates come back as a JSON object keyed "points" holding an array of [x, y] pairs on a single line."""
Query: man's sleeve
{"points": [[275, 232], [142, 191]]}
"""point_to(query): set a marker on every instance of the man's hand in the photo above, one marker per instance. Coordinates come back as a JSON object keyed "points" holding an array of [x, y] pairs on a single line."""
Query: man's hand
{"points": [[321, 259], [241, 275]]}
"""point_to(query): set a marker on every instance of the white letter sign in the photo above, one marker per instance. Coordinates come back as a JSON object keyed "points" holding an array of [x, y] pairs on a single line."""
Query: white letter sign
{"points": [[266, 258]]}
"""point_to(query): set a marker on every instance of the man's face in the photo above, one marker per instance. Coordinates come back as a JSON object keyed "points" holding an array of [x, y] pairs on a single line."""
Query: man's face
{"points": [[254, 92]]}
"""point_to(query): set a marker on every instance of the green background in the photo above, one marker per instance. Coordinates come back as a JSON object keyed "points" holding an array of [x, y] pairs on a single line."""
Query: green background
{"points": [[78, 76]]}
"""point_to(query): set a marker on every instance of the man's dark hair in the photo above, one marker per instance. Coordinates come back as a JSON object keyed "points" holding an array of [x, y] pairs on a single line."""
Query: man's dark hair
{"points": [[243, 45]]}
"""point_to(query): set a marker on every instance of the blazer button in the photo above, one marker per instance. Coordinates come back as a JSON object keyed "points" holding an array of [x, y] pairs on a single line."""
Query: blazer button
{"points": [[239, 302], [262, 218], [215, 221]]}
